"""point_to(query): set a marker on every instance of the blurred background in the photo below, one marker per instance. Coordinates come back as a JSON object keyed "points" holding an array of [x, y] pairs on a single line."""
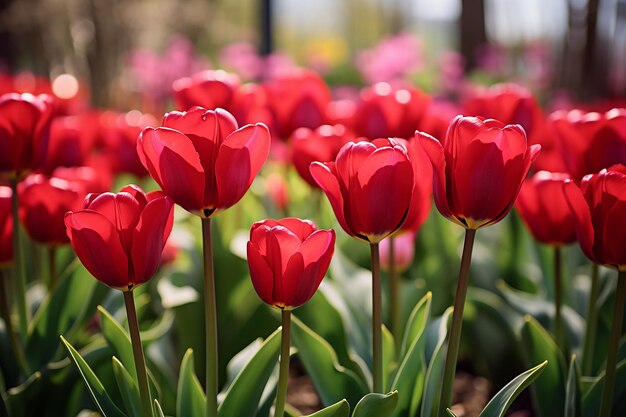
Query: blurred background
{"points": [[126, 53]]}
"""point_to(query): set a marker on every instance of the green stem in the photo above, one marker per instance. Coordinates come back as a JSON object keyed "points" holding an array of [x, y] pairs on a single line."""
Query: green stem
{"points": [[454, 338], [611, 360], [377, 339], [395, 303], [6, 317], [19, 276], [210, 320], [283, 375], [558, 301], [52, 266], [592, 322], [140, 362]]}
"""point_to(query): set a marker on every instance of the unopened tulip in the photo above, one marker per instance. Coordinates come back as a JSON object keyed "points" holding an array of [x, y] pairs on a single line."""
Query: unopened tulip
{"points": [[202, 160], [370, 187], [209, 89], [288, 259], [120, 237], [478, 170]]}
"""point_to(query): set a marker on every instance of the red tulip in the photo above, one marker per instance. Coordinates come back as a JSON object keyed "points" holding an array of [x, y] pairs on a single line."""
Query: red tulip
{"points": [[43, 204], [70, 142], [590, 142], [6, 226], [96, 178], [423, 186], [321, 144], [387, 112], [542, 204], [288, 259], [277, 190], [479, 169], [201, 160], [370, 187], [24, 132], [599, 208], [120, 237], [209, 89]]}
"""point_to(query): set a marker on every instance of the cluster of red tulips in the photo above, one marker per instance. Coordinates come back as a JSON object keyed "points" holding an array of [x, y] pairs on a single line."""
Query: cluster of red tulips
{"points": [[378, 159]]}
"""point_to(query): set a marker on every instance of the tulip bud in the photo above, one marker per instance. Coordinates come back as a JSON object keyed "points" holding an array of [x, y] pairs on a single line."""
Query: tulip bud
{"points": [[403, 250]]}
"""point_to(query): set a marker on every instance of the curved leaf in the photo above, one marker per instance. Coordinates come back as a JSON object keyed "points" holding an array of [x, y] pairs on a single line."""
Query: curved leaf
{"points": [[376, 405], [118, 340], [97, 391], [390, 363], [332, 381], [549, 390], [157, 409], [417, 322], [244, 394], [501, 402], [339, 409], [128, 389], [190, 398], [572, 390], [591, 400], [435, 336]]}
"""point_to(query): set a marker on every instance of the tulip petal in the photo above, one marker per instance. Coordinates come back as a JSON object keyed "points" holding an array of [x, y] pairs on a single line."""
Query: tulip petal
{"points": [[434, 150], [149, 238], [301, 228], [582, 215], [122, 211], [325, 176], [97, 244], [173, 162], [261, 275]]}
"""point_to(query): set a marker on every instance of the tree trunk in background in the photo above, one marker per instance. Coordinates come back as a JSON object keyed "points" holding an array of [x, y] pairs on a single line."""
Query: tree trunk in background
{"points": [[266, 30], [473, 33], [8, 49], [593, 74]]}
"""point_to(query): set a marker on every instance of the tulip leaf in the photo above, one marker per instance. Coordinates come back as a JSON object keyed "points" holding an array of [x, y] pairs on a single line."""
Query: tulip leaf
{"points": [[190, 398], [332, 381], [97, 391], [572, 390], [389, 356], [252, 380], [416, 323], [376, 405], [339, 409], [157, 409], [591, 400], [118, 340], [128, 389], [435, 335], [451, 413], [21, 399], [549, 390], [501, 402]]}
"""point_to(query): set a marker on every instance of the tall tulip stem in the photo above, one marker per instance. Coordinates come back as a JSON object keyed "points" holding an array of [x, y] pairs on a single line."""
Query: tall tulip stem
{"points": [[210, 320], [558, 300], [591, 322], [395, 303], [454, 338], [18, 265], [611, 361], [377, 339], [283, 375], [6, 317], [140, 362]]}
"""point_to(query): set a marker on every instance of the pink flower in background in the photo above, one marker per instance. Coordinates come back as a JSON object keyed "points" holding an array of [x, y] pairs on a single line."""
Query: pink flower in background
{"points": [[392, 59]]}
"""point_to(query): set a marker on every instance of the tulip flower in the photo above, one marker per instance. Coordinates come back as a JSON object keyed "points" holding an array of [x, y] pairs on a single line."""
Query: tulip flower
{"points": [[599, 207], [6, 227], [478, 172], [202, 160], [71, 140], [322, 144], [24, 132], [119, 237], [209, 89], [288, 259]]}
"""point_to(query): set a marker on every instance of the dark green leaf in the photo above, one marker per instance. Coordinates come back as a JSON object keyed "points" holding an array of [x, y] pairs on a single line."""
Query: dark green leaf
{"points": [[118, 340], [332, 381], [389, 356], [97, 391], [572, 390], [591, 401], [435, 336], [128, 389], [190, 399], [252, 380], [339, 409], [501, 402], [416, 323], [376, 405]]}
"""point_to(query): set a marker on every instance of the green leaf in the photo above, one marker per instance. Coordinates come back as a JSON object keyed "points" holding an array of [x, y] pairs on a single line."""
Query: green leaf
{"points": [[501, 402], [435, 336], [451, 413], [549, 391], [389, 356], [572, 390], [251, 381], [332, 381], [118, 340], [339, 409], [416, 323], [128, 389], [376, 405], [190, 399], [157, 409], [591, 401], [97, 391]]}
